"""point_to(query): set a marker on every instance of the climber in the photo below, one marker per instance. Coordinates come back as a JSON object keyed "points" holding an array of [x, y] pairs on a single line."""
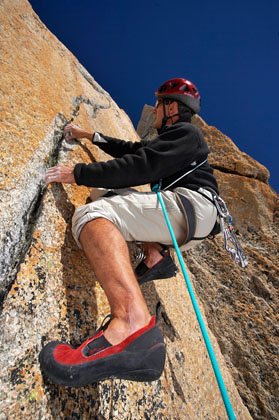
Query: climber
{"points": [[178, 159]]}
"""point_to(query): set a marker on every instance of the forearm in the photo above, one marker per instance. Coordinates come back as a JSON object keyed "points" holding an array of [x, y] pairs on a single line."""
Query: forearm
{"points": [[100, 175], [159, 159], [87, 135], [116, 147], [75, 132], [59, 173]]}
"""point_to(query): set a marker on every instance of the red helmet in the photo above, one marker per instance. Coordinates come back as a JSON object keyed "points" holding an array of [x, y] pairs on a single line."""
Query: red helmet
{"points": [[181, 90]]}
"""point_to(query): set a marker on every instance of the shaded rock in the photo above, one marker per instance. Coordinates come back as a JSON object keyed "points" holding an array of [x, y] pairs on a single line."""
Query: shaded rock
{"points": [[258, 287], [253, 204], [145, 126], [51, 293], [240, 305], [227, 157]]}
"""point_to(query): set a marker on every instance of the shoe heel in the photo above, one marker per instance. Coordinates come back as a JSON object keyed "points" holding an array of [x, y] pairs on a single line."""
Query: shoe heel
{"points": [[150, 367], [170, 269]]}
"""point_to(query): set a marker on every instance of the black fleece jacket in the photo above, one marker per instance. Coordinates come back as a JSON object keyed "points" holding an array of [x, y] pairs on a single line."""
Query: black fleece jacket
{"points": [[176, 150]]}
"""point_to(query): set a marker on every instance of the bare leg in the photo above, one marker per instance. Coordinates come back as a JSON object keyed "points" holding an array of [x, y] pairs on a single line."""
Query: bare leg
{"points": [[108, 255], [152, 253]]}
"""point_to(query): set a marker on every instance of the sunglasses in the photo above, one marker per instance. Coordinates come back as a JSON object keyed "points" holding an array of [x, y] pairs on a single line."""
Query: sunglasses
{"points": [[158, 103], [161, 101]]}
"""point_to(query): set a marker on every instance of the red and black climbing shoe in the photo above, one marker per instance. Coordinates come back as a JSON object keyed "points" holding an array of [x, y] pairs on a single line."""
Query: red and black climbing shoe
{"points": [[140, 357], [164, 269]]}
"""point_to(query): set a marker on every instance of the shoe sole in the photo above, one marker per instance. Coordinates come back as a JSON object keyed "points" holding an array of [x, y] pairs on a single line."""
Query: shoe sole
{"points": [[165, 272], [133, 366]]}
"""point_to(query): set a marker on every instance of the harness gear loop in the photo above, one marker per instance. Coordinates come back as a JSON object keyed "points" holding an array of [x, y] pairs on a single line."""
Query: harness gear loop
{"points": [[225, 220], [230, 241]]}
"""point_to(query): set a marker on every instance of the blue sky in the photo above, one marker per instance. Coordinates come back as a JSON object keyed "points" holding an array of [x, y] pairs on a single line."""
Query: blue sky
{"points": [[229, 49]]}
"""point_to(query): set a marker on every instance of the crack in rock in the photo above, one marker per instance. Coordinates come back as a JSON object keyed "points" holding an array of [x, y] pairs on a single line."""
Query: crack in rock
{"points": [[225, 170], [21, 206], [18, 222], [21, 210], [81, 99]]}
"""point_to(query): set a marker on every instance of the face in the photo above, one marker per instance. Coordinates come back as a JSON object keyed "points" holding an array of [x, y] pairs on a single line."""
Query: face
{"points": [[171, 109], [159, 114]]}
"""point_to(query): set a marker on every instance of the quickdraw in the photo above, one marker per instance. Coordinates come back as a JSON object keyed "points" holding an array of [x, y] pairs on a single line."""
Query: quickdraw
{"points": [[226, 221], [209, 347], [226, 224]]}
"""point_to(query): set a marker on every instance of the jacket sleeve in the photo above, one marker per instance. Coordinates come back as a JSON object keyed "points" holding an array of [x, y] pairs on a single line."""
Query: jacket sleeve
{"points": [[162, 157], [116, 147]]}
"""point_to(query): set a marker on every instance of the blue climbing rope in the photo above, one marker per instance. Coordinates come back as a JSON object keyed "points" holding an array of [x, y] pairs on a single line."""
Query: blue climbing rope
{"points": [[205, 335]]}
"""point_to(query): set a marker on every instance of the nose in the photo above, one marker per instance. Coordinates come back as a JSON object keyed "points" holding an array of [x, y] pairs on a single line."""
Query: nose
{"points": [[154, 110]]}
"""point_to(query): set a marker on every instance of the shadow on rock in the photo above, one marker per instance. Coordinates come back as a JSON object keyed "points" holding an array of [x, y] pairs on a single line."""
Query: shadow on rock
{"points": [[169, 332], [78, 320]]}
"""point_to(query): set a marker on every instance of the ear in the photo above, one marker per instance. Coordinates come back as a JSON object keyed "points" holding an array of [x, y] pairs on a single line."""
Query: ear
{"points": [[173, 108]]}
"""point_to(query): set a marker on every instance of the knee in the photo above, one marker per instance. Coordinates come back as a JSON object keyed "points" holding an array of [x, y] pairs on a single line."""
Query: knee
{"points": [[94, 227], [89, 226], [81, 221]]}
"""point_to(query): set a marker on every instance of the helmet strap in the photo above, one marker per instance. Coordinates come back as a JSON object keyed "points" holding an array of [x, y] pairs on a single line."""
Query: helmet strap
{"points": [[166, 117]]}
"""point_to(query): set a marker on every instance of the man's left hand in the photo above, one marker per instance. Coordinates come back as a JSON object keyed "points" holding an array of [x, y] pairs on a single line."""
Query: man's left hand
{"points": [[62, 174]]}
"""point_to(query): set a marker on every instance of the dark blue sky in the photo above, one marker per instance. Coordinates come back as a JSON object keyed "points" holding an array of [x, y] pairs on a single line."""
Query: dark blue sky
{"points": [[229, 49]]}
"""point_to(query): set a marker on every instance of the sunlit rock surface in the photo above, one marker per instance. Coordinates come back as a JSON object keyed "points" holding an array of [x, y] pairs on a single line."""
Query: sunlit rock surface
{"points": [[48, 290], [241, 305]]}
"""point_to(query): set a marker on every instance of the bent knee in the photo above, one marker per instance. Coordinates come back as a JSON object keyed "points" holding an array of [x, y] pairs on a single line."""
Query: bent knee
{"points": [[97, 222], [85, 216]]}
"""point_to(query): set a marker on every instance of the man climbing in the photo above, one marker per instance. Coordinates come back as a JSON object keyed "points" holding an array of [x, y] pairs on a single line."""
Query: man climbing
{"points": [[130, 345]]}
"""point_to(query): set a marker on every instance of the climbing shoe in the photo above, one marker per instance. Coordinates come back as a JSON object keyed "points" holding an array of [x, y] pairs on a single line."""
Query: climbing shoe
{"points": [[164, 269], [140, 357]]}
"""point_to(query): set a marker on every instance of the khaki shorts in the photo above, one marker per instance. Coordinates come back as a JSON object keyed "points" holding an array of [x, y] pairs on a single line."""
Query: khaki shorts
{"points": [[139, 217]]}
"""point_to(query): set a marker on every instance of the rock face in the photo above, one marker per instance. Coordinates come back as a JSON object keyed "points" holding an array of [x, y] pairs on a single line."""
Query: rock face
{"points": [[240, 305], [145, 126], [42, 86], [48, 290]]}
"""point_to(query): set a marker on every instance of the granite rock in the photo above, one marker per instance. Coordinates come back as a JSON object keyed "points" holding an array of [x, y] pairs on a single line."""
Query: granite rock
{"points": [[227, 157], [42, 87], [145, 125], [240, 305], [48, 289]]}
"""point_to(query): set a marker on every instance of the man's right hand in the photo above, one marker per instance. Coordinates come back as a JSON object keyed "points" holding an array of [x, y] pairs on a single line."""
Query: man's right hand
{"points": [[72, 131]]}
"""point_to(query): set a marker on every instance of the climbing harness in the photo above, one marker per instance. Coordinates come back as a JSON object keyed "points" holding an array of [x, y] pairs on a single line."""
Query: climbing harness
{"points": [[205, 335], [224, 218], [224, 224]]}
